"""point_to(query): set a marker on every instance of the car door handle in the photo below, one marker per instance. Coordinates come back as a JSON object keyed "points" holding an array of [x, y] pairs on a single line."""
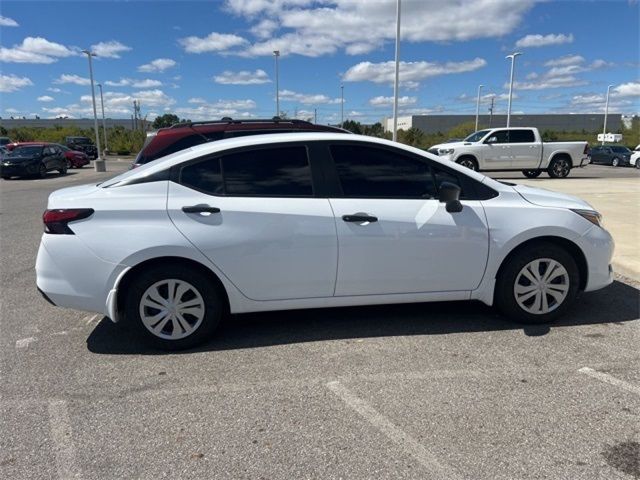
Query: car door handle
{"points": [[200, 209], [358, 218]]}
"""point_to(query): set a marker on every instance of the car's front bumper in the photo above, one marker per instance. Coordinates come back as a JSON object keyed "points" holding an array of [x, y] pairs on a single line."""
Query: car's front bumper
{"points": [[18, 169], [597, 245]]}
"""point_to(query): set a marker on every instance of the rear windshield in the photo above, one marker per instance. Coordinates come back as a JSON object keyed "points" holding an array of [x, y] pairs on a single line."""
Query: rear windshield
{"points": [[79, 140], [158, 146]]}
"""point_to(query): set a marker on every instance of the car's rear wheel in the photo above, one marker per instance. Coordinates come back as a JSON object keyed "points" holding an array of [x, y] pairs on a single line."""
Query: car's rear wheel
{"points": [[468, 162], [531, 173], [559, 167], [615, 162], [42, 170], [637, 162], [537, 284], [173, 307], [63, 169]]}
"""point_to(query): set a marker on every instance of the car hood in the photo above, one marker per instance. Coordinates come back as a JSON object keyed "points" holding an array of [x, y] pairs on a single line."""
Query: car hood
{"points": [[548, 198]]}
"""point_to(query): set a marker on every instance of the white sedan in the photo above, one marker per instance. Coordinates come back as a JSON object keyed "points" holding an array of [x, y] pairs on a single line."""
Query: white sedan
{"points": [[308, 220]]}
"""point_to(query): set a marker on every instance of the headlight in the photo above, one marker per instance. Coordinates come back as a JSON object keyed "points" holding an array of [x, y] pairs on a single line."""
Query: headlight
{"points": [[445, 151], [591, 215]]}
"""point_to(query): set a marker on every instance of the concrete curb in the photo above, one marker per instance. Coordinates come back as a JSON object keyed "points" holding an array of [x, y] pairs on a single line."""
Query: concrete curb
{"points": [[625, 271]]}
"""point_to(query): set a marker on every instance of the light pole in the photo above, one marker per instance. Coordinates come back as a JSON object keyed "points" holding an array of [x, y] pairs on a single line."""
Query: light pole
{"points": [[397, 74], [513, 61], [98, 165], [104, 125], [606, 112], [276, 54], [478, 106], [341, 106]]}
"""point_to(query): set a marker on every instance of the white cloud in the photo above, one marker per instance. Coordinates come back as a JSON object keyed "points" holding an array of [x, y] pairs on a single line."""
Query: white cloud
{"points": [[7, 22], [54, 90], [565, 61], [12, 83], [315, 28], [147, 98], [549, 82], [197, 100], [132, 82], [110, 49], [46, 98], [631, 89], [214, 42], [157, 65], [75, 79], [218, 109], [411, 73], [35, 50], [388, 101], [538, 40], [243, 77], [307, 99]]}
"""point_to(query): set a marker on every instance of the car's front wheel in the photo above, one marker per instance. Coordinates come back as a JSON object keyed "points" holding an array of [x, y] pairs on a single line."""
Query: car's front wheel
{"points": [[537, 284], [173, 307], [468, 162], [63, 169], [638, 163]]}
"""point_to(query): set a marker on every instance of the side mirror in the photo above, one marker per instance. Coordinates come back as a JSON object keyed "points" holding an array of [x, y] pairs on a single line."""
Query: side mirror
{"points": [[492, 140], [450, 195]]}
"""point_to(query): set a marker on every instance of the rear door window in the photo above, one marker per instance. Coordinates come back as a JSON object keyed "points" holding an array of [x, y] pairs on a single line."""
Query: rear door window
{"points": [[521, 136]]}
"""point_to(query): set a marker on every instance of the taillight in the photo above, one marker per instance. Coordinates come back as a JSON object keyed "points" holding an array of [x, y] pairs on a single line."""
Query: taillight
{"points": [[586, 149], [57, 221]]}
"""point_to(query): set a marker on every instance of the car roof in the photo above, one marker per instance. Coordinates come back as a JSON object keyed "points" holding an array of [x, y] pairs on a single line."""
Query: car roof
{"points": [[22, 144], [163, 163]]}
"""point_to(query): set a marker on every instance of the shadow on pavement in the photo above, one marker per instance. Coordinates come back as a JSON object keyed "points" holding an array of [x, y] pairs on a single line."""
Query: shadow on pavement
{"points": [[615, 304]]}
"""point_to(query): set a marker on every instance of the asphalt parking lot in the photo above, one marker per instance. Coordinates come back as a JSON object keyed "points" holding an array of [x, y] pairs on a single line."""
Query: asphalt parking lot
{"points": [[425, 391]]}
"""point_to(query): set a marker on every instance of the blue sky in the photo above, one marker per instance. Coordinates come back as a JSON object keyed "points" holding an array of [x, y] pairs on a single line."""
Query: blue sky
{"points": [[206, 59]]}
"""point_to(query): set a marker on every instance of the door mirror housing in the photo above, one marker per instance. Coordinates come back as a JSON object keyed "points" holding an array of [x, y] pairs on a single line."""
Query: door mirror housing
{"points": [[450, 195], [491, 140]]}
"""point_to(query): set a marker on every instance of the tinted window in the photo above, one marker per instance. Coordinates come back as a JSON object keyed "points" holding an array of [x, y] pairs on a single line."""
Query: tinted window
{"points": [[502, 136], [521, 136], [180, 144], [204, 176], [445, 176], [278, 172], [378, 173]]}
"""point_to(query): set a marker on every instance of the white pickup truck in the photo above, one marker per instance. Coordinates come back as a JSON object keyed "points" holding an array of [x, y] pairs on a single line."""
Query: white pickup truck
{"points": [[517, 148]]}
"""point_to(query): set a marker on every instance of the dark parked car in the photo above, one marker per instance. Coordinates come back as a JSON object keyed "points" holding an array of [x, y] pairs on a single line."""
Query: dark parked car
{"points": [[185, 135], [4, 141], [75, 159], [3, 151], [34, 159], [82, 144], [613, 155]]}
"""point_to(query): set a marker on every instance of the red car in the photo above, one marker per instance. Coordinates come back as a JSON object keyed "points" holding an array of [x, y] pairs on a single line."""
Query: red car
{"points": [[75, 159]]}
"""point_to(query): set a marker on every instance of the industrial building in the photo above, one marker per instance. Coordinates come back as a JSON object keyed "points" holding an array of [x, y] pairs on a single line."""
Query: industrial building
{"points": [[591, 123], [85, 123]]}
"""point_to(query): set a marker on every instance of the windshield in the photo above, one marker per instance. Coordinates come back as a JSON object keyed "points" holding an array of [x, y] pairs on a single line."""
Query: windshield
{"points": [[476, 137], [79, 140], [620, 149], [26, 151]]}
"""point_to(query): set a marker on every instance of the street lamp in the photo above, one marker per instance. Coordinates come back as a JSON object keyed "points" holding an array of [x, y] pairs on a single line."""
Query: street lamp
{"points": [[606, 112], [478, 106], [104, 126], [513, 61], [98, 165], [276, 53], [397, 74], [341, 106]]}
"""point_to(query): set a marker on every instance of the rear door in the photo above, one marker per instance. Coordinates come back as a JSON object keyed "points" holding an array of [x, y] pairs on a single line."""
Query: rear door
{"points": [[525, 151], [394, 235], [254, 214], [497, 151]]}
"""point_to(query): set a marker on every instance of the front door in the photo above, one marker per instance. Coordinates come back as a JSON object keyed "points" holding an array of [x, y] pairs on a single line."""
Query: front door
{"points": [[254, 215], [394, 235], [525, 151], [496, 151]]}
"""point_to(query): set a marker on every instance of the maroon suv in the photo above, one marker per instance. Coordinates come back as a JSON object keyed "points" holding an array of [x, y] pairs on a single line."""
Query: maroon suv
{"points": [[184, 135]]}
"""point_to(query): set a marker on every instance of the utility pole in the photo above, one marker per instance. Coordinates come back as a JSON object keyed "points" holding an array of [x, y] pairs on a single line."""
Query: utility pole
{"points": [[276, 53], [98, 164], [606, 113], [513, 61], [341, 106], [315, 116], [478, 106], [135, 116], [491, 111], [397, 74], [104, 125]]}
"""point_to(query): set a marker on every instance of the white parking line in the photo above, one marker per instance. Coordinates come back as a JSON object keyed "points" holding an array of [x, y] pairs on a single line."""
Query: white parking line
{"points": [[405, 441], [61, 434], [93, 318], [25, 342], [605, 377]]}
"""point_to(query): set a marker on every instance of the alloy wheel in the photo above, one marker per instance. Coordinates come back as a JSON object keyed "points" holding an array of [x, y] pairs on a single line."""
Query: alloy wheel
{"points": [[561, 168], [541, 286], [615, 162], [172, 309], [468, 163]]}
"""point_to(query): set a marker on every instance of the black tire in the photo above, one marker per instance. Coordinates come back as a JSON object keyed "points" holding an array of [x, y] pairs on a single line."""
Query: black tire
{"points": [[531, 173], [63, 170], [559, 167], [638, 163], [42, 170], [505, 297], [468, 162], [615, 162], [209, 292]]}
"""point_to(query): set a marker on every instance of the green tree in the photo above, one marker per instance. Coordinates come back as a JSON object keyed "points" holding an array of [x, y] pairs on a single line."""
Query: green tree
{"points": [[374, 130], [352, 126], [165, 120], [462, 131]]}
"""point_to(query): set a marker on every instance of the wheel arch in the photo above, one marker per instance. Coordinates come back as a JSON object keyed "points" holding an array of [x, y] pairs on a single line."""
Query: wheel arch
{"points": [[561, 154], [130, 275], [469, 156], [573, 249]]}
